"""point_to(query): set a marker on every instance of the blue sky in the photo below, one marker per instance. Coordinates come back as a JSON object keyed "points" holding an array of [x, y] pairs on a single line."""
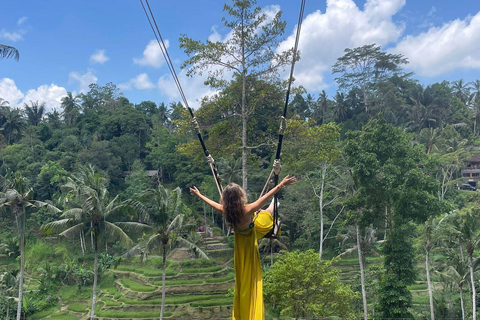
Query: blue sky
{"points": [[65, 45]]}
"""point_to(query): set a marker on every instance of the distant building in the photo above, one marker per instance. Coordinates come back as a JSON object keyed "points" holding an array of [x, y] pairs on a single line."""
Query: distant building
{"points": [[471, 172]]}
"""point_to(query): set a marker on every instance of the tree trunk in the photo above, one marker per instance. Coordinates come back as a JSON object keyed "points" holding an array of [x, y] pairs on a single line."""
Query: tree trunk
{"points": [[475, 125], [8, 311], [362, 275], [95, 279], [461, 303], [244, 115], [474, 295], [429, 285], [322, 187], [162, 309], [21, 228]]}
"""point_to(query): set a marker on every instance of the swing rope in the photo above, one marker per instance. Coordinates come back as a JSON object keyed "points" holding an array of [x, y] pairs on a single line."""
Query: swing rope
{"points": [[163, 48], [283, 124]]}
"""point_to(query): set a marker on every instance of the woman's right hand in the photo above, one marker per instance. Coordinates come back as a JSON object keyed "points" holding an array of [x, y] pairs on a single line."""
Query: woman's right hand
{"points": [[194, 191]]}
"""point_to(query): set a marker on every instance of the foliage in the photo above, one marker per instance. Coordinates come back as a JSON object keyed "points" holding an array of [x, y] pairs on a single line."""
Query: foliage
{"points": [[302, 285]]}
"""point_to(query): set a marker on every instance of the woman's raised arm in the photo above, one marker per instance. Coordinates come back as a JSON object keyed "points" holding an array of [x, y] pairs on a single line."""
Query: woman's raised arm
{"points": [[217, 206], [257, 205]]}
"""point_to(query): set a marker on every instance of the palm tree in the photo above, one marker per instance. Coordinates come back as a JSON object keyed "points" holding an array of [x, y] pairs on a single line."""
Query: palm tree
{"points": [[8, 52], [420, 112], [474, 102], [340, 111], [430, 138], [454, 268], [19, 198], [465, 229], [231, 168], [322, 99], [4, 103], [70, 105], [8, 285], [13, 123], [161, 210], [164, 114], [34, 112], [90, 215], [461, 90]]}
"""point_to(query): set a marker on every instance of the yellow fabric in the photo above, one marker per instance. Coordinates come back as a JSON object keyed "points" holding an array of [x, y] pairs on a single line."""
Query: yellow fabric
{"points": [[248, 297]]}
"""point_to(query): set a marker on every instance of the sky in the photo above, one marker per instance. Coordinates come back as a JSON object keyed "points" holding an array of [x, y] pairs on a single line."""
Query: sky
{"points": [[66, 45]]}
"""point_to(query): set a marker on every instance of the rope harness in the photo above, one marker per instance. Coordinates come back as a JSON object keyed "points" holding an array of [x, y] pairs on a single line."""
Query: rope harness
{"points": [[196, 128]]}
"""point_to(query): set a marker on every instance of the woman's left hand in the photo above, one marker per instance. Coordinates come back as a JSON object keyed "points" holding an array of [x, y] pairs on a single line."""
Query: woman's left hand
{"points": [[289, 180]]}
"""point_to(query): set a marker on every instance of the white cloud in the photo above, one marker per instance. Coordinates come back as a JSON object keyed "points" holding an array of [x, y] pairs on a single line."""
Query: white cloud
{"points": [[84, 80], [21, 20], [99, 57], [50, 94], [215, 36], [140, 82], [13, 36], [196, 88], [152, 55], [324, 36], [10, 92], [454, 45]]}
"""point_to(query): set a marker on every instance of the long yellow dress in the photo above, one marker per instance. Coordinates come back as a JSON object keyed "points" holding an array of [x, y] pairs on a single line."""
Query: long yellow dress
{"points": [[248, 297]]}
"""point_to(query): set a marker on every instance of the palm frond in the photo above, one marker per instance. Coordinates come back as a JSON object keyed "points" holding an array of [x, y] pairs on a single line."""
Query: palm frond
{"points": [[136, 250], [116, 233], [138, 206], [134, 227], [56, 226], [77, 214], [189, 245], [73, 232], [154, 242], [47, 206], [176, 223]]}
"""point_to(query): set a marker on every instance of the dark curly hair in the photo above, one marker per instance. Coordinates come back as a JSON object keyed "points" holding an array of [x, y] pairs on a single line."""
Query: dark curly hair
{"points": [[233, 201]]}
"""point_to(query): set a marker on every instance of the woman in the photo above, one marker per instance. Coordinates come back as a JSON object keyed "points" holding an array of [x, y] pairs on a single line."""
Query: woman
{"points": [[248, 226]]}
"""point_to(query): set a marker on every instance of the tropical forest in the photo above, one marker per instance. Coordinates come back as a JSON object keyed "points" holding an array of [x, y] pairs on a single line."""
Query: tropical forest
{"points": [[383, 222]]}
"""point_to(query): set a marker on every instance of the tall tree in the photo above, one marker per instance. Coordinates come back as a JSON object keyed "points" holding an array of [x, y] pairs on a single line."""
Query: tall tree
{"points": [[474, 102], [8, 52], [363, 67], [34, 112], [89, 191], [465, 228], [315, 148], [323, 100], [396, 179], [18, 197], [250, 51]]}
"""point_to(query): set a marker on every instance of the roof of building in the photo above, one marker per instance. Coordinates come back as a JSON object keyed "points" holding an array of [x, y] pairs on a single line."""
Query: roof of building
{"points": [[474, 158]]}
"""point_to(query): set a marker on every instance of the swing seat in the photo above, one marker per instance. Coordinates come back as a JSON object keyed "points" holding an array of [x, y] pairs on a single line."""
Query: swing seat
{"points": [[275, 232]]}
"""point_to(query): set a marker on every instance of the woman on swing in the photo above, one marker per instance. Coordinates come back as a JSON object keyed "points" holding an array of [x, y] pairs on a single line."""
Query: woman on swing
{"points": [[248, 227]]}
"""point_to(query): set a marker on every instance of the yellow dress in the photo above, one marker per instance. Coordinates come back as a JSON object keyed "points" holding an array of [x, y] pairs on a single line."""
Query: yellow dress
{"points": [[248, 297]]}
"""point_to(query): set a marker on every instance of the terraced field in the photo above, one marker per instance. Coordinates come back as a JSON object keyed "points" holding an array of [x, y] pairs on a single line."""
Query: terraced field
{"points": [[195, 289], [350, 273]]}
